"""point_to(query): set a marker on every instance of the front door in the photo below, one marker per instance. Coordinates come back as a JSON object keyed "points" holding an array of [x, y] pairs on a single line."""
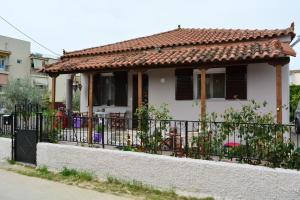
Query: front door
{"points": [[135, 94]]}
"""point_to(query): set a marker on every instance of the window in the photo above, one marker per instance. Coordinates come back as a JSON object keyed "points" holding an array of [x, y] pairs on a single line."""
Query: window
{"points": [[2, 63], [229, 83], [19, 61], [111, 89], [215, 85], [184, 84]]}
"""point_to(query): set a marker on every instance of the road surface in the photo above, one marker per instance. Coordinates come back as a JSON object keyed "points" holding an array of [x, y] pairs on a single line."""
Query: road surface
{"points": [[18, 187]]}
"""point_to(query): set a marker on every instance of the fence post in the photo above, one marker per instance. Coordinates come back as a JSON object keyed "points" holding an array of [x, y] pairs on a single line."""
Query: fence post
{"points": [[12, 136], [186, 139], [102, 124], [41, 128]]}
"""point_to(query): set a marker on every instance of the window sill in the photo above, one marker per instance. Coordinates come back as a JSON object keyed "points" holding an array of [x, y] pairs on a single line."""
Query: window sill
{"points": [[2, 71], [221, 100]]}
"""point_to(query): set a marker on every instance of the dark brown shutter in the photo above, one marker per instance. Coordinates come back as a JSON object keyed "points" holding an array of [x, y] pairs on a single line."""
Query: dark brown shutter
{"points": [[184, 84], [236, 82], [97, 90], [121, 85]]}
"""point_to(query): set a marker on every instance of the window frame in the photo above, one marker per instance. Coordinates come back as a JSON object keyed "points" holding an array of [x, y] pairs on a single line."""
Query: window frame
{"points": [[197, 86], [5, 60]]}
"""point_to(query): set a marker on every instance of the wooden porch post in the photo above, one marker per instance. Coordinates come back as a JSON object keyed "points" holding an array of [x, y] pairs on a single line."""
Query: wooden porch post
{"points": [[90, 112], [203, 94], [53, 91], [279, 92], [140, 89]]}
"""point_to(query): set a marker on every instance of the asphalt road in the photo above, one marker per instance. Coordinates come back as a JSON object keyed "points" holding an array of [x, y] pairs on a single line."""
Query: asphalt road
{"points": [[18, 187]]}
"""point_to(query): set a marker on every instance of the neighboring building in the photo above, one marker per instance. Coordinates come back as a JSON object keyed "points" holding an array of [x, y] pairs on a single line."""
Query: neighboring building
{"points": [[295, 77], [14, 59], [235, 66], [38, 61]]}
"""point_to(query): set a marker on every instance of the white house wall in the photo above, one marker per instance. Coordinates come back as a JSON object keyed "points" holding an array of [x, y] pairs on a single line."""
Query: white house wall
{"points": [[261, 87]]}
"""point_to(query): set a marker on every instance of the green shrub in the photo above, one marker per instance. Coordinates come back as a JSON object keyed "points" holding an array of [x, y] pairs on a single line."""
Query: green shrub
{"points": [[149, 132], [294, 99]]}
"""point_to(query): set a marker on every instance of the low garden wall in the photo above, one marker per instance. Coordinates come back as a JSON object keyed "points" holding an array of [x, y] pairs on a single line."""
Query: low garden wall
{"points": [[5, 148], [199, 177]]}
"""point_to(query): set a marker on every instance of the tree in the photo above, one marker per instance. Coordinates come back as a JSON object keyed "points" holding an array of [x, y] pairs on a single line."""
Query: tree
{"points": [[76, 100], [23, 91]]}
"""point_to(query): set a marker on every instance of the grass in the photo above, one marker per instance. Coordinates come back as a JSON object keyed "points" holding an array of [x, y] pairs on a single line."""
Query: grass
{"points": [[77, 175], [5, 136], [86, 180], [11, 162]]}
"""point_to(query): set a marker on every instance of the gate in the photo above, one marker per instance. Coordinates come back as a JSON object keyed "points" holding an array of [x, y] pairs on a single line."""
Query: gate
{"points": [[25, 132]]}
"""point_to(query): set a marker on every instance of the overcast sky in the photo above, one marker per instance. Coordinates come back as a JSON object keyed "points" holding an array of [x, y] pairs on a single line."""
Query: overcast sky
{"points": [[76, 24]]}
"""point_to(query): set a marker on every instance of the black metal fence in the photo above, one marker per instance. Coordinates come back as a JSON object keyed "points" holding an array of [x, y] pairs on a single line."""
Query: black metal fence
{"points": [[195, 139], [5, 126], [249, 142]]}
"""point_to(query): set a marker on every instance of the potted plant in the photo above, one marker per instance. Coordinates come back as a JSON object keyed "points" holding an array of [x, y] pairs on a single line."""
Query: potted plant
{"points": [[98, 133]]}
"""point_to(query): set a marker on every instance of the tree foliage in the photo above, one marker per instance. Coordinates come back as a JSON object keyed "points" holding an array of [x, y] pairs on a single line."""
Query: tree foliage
{"points": [[23, 91], [294, 99], [76, 100]]}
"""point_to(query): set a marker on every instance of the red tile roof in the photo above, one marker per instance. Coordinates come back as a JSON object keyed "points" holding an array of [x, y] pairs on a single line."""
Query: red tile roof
{"points": [[178, 47]]}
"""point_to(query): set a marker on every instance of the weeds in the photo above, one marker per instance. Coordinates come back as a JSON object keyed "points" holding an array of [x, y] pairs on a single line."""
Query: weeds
{"points": [[85, 179], [76, 175], [11, 162]]}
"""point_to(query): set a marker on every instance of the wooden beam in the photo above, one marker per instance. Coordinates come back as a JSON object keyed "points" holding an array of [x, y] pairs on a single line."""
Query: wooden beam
{"points": [[140, 89], [90, 111], [279, 92], [203, 94], [53, 92]]}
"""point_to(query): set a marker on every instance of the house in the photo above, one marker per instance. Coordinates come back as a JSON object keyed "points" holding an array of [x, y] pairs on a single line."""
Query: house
{"points": [[37, 61], [295, 77], [194, 71]]}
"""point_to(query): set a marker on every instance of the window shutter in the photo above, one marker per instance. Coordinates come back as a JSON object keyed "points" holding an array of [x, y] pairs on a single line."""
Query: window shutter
{"points": [[236, 82], [97, 90], [121, 85], [184, 84]]}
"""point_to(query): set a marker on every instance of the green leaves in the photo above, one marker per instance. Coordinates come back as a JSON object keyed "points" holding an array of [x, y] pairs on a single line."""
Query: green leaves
{"points": [[22, 91]]}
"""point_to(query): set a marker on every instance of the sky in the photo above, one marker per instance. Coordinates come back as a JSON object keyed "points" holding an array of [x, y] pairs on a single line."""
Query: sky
{"points": [[77, 24]]}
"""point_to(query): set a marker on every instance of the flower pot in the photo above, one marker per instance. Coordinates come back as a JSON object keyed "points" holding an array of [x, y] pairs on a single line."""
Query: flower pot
{"points": [[77, 122], [97, 137]]}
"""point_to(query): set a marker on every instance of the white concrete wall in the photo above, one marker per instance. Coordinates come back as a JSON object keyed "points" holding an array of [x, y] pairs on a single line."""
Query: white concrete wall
{"points": [[199, 177], [5, 148], [261, 86]]}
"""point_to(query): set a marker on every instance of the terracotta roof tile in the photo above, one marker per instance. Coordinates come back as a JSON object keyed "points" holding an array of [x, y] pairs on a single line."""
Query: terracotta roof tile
{"points": [[183, 37], [271, 48], [179, 47]]}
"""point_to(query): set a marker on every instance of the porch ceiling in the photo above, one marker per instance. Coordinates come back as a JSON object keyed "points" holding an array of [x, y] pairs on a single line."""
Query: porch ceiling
{"points": [[215, 46]]}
